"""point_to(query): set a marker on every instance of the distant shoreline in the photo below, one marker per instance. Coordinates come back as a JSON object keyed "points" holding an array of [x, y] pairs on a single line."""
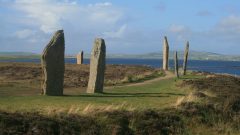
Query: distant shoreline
{"points": [[212, 66], [71, 57], [193, 55]]}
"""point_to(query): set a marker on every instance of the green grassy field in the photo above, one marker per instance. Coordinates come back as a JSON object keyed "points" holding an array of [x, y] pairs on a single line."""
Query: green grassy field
{"points": [[158, 95]]}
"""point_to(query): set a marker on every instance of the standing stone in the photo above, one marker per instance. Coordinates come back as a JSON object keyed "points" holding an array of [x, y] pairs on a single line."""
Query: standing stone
{"points": [[53, 65], [165, 53], [80, 58], [176, 64], [185, 58], [97, 67]]}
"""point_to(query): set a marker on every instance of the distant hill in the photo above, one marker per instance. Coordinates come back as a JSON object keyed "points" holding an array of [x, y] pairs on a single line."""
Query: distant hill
{"points": [[18, 55], [193, 55]]}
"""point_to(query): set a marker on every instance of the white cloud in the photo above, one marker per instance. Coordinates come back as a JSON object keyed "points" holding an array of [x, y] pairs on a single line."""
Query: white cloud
{"points": [[180, 33], [24, 33], [105, 4], [82, 23], [230, 24], [104, 14], [116, 34], [40, 18], [46, 14], [52, 15], [223, 37], [177, 28]]}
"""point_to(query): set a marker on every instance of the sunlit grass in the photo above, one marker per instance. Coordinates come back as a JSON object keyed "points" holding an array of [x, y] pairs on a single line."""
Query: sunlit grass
{"points": [[158, 95]]}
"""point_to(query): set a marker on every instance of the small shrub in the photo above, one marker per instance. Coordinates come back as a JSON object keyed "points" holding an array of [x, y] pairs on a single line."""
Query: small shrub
{"points": [[154, 123], [128, 79], [115, 123]]}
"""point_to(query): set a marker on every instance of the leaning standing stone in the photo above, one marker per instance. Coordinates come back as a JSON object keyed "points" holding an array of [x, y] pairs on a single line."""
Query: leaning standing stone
{"points": [[97, 67], [176, 64], [80, 58], [53, 65], [165, 53], [185, 58]]}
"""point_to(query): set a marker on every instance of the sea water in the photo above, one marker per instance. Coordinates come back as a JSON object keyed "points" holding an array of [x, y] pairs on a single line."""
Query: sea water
{"points": [[228, 67]]}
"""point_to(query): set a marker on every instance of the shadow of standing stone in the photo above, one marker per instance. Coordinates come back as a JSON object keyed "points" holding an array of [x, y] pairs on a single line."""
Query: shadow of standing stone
{"points": [[97, 67], [53, 65]]}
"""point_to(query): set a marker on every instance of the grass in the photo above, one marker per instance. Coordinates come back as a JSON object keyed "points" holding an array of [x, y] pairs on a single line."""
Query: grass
{"points": [[164, 107], [135, 78], [155, 95]]}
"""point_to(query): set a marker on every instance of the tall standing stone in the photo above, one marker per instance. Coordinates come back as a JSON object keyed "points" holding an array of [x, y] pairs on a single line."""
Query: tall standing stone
{"points": [[185, 58], [53, 65], [80, 58], [97, 67], [165, 53], [176, 64]]}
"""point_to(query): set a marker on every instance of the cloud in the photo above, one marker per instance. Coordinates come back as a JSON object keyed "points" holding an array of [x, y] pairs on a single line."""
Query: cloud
{"points": [[180, 33], [105, 4], [116, 34], [204, 13], [24, 33], [177, 28], [28, 26], [223, 37], [52, 15], [230, 24], [46, 14]]}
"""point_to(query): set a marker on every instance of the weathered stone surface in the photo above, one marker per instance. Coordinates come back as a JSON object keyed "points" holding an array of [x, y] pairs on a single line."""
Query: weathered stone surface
{"points": [[185, 59], [80, 58], [53, 65], [165, 53], [97, 67], [176, 64]]}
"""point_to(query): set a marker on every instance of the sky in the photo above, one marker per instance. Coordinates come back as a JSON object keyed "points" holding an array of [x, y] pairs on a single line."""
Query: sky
{"points": [[130, 26]]}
